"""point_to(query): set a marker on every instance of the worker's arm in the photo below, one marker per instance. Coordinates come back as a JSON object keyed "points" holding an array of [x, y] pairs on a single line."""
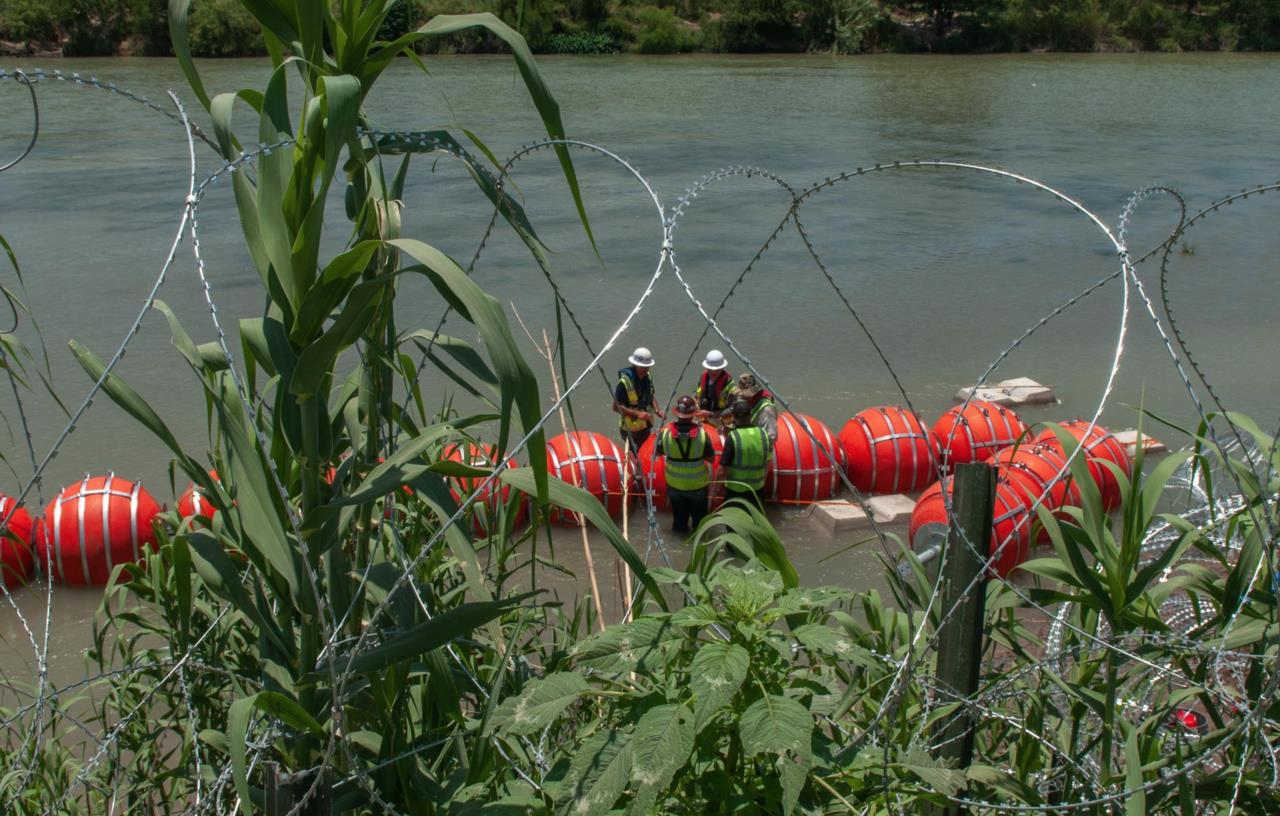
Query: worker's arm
{"points": [[769, 421], [726, 458], [620, 404]]}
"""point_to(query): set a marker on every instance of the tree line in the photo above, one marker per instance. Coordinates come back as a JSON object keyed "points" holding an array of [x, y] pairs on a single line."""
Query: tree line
{"points": [[222, 28]]}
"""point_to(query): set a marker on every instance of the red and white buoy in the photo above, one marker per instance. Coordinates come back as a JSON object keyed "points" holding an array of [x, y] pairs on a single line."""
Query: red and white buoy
{"points": [[92, 526], [193, 502], [591, 461], [887, 449], [1100, 445], [653, 470], [800, 471], [1039, 474], [16, 559], [1010, 525], [493, 497], [975, 432]]}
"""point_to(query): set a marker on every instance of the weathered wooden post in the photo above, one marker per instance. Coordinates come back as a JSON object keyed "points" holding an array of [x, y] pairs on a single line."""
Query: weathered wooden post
{"points": [[964, 590]]}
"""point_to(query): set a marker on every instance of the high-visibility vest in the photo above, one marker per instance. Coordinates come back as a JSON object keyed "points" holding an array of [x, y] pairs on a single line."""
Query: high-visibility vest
{"points": [[715, 390], [684, 454], [635, 395], [751, 451], [765, 400]]}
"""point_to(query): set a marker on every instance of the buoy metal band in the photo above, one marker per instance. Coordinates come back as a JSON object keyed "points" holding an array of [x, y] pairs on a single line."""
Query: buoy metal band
{"points": [[105, 501]]}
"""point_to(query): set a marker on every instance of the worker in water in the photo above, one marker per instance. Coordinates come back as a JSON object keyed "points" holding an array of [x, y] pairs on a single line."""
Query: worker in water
{"points": [[687, 448], [763, 414], [634, 399], [715, 388], [747, 450]]}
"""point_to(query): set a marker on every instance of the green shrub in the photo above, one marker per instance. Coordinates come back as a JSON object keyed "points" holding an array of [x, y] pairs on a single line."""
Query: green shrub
{"points": [[1062, 25], [1148, 23], [1256, 23], [470, 41], [839, 26], [93, 27], [23, 20], [223, 28], [759, 25], [660, 32], [584, 42]]}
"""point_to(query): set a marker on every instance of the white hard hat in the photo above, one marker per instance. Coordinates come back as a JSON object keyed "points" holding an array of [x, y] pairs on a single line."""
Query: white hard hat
{"points": [[715, 361], [641, 357]]}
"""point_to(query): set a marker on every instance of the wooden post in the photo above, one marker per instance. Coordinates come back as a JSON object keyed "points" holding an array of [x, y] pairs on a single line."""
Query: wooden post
{"points": [[964, 590]]}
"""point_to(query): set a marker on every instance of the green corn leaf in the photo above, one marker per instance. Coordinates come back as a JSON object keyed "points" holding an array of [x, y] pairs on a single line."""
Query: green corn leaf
{"points": [[315, 363], [219, 573], [540, 703], [335, 281], [432, 634], [273, 704], [1135, 798], [180, 40], [716, 673], [517, 383], [577, 500]]}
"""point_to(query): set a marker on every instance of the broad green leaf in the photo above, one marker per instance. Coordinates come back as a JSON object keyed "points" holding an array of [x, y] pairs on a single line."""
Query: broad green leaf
{"points": [[181, 42], [794, 772], [540, 703], [825, 640], [640, 645], [774, 724], [598, 773], [1136, 797], [715, 675], [661, 745]]}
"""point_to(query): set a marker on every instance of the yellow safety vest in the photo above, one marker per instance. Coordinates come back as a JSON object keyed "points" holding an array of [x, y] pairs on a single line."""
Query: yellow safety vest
{"points": [[685, 468], [633, 401], [751, 451]]}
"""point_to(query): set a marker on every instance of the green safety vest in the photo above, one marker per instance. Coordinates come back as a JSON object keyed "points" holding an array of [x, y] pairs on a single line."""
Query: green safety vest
{"points": [[761, 404], [751, 451], [685, 469], [633, 398]]}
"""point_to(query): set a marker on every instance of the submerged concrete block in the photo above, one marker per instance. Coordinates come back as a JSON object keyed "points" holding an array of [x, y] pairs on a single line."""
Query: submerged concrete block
{"points": [[1017, 391], [1129, 438], [894, 508], [839, 516]]}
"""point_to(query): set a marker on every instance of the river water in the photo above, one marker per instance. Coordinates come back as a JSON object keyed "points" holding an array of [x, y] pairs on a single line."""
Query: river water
{"points": [[946, 268]]}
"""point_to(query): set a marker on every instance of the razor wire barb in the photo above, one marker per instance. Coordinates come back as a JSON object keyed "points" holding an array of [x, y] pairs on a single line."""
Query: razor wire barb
{"points": [[339, 653]]}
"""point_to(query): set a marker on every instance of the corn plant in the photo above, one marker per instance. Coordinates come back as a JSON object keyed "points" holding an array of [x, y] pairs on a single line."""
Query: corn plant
{"points": [[325, 615]]}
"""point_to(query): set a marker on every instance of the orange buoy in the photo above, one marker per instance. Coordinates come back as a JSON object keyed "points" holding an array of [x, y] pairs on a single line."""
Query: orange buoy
{"points": [[193, 501], [94, 524], [591, 461], [491, 500], [800, 471], [653, 471], [975, 433], [1101, 445], [1010, 524], [887, 449], [1041, 475], [16, 558]]}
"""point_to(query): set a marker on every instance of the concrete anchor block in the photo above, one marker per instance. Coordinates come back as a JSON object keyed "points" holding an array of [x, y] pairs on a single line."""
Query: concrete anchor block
{"points": [[839, 516], [1017, 391], [894, 508], [1129, 438]]}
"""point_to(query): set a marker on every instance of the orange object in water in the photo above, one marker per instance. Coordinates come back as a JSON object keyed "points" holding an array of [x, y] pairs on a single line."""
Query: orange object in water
{"points": [[887, 449], [493, 497], [1040, 474], [800, 471], [653, 470], [1101, 445], [975, 433], [193, 501], [16, 558], [93, 525], [1011, 524], [591, 461]]}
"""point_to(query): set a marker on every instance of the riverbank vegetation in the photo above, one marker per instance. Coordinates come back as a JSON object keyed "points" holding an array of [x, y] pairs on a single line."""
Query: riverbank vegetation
{"points": [[221, 28]]}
